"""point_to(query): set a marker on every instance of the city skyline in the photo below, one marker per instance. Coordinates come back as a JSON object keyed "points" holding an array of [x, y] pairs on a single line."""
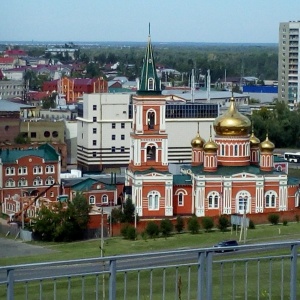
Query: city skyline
{"points": [[215, 21]]}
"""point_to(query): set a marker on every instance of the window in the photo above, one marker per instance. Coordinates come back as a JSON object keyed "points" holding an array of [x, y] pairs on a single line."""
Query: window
{"points": [[49, 180], [94, 154], [46, 134], [22, 182], [243, 204], [94, 107], [150, 84], [50, 169], [113, 149], [55, 134], [37, 170], [270, 199], [122, 125], [94, 142], [33, 134], [22, 170], [122, 137], [10, 171], [213, 200], [37, 181], [94, 130], [180, 199], [113, 125], [104, 199], [113, 137], [153, 200], [122, 149], [51, 194], [10, 183], [94, 119], [92, 199]]}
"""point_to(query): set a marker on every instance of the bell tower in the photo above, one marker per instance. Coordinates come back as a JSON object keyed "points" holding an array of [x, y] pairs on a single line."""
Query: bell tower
{"points": [[148, 173]]}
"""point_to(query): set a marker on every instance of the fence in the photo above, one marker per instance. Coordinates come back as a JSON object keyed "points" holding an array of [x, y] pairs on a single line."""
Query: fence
{"points": [[261, 271]]}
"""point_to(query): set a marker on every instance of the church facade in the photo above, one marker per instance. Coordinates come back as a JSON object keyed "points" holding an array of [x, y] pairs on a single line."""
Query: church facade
{"points": [[231, 174]]}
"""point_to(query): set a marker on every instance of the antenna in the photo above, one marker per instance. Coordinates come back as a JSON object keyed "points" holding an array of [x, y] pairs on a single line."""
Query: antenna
{"points": [[208, 85], [149, 28], [193, 85]]}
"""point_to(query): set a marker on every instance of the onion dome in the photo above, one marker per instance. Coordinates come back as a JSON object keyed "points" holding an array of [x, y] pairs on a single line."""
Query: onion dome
{"points": [[210, 146], [232, 122], [197, 141], [254, 141], [267, 145]]}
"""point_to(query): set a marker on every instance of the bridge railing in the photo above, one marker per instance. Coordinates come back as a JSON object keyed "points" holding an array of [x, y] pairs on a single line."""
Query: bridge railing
{"points": [[261, 271]]}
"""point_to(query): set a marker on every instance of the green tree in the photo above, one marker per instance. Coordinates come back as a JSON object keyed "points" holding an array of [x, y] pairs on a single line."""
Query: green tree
{"points": [[22, 139], [50, 102], [128, 232], [166, 227], [193, 225], [179, 224], [128, 211], [223, 223], [207, 223], [273, 219], [152, 229]]}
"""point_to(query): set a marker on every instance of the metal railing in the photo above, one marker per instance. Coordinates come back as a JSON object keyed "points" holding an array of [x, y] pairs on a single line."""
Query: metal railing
{"points": [[260, 271]]}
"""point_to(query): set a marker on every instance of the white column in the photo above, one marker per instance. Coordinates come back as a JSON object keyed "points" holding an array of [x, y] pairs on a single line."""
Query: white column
{"points": [[168, 199]]}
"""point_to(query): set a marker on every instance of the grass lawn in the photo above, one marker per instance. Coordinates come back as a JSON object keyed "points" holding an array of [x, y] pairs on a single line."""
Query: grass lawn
{"points": [[118, 245]]}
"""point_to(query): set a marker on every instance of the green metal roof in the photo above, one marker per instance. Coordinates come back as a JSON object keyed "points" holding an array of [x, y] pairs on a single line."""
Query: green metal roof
{"points": [[182, 179], [149, 74], [45, 151], [151, 170], [86, 185]]}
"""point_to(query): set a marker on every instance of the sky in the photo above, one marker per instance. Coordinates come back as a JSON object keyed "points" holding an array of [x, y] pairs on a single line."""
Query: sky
{"points": [[208, 21]]}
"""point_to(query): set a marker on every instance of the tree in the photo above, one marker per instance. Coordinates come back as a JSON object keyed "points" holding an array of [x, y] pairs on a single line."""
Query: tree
{"points": [[128, 211], [223, 223], [179, 224], [50, 102], [63, 222], [166, 227], [273, 219], [207, 223], [128, 232], [152, 229], [193, 225]]}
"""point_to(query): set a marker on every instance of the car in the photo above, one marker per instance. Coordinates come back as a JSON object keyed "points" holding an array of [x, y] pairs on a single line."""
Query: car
{"points": [[230, 243]]}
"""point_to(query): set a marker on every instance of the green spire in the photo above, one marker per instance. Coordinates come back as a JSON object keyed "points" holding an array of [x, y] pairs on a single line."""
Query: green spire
{"points": [[149, 81]]}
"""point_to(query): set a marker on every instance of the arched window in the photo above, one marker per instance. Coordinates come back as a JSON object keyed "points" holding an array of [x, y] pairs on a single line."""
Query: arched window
{"points": [[38, 181], [151, 119], [104, 199], [243, 199], [37, 170], [270, 199], [151, 152], [180, 199], [10, 183], [50, 169], [213, 200], [150, 84], [22, 182], [49, 180], [92, 199], [153, 200]]}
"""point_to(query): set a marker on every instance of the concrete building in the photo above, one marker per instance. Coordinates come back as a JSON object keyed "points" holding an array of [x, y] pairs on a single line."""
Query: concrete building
{"points": [[289, 62], [10, 89]]}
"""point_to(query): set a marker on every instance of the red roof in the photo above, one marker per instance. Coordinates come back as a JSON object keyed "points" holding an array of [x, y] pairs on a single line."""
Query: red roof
{"points": [[15, 52], [6, 60], [33, 95]]}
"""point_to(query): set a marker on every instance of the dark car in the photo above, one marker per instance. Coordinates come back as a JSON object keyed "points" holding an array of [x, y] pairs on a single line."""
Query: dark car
{"points": [[224, 244]]}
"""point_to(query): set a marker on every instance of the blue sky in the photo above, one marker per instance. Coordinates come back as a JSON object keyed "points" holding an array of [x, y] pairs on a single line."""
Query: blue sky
{"points": [[225, 21]]}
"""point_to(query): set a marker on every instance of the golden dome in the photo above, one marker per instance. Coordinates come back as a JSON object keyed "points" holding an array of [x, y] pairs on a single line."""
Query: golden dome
{"points": [[266, 145], [210, 146], [254, 141], [232, 122], [197, 141]]}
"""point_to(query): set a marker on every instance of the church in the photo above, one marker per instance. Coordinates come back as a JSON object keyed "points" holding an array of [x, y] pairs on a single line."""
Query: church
{"points": [[230, 173]]}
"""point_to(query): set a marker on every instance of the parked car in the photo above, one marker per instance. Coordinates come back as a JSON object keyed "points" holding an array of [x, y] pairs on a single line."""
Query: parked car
{"points": [[224, 244]]}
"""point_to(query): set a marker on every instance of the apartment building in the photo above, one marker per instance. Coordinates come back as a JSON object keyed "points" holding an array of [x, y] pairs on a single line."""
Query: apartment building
{"points": [[105, 121], [288, 62]]}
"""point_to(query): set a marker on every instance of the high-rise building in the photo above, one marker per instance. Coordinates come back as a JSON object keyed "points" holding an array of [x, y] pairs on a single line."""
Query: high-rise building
{"points": [[288, 62]]}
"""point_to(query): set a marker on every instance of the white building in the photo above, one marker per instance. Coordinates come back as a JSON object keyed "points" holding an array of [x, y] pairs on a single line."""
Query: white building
{"points": [[104, 124], [288, 62]]}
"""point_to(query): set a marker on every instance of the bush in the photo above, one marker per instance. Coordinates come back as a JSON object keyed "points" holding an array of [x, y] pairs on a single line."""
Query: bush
{"points": [[284, 222], [251, 225], [273, 219], [152, 229], [193, 225], [223, 223], [166, 227], [179, 224], [128, 232], [207, 223]]}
